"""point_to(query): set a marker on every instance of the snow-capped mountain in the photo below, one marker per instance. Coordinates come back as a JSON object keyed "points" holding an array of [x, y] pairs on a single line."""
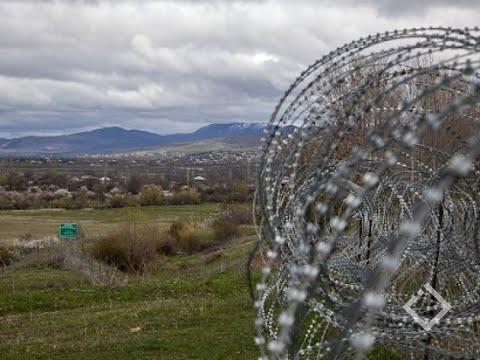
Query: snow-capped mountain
{"points": [[226, 130]]}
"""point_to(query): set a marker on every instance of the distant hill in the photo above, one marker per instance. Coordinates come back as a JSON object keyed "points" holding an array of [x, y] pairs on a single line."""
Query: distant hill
{"points": [[117, 139], [227, 130], [232, 143]]}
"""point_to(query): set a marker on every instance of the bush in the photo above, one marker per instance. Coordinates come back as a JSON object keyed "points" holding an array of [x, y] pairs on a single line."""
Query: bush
{"points": [[239, 214], [111, 250], [118, 201], [52, 177], [16, 181], [76, 203], [151, 195], [186, 237], [70, 256], [224, 228], [20, 202], [36, 202], [134, 184], [175, 229], [5, 203], [185, 197], [7, 257], [131, 201], [167, 246], [241, 192], [60, 203], [129, 249], [226, 221], [97, 204]]}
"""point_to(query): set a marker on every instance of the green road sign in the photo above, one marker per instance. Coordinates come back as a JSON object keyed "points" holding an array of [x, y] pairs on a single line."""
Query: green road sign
{"points": [[68, 231]]}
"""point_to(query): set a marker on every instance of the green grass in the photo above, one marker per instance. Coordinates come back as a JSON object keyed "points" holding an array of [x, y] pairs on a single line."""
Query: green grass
{"points": [[149, 212], [182, 314], [198, 147], [175, 322], [190, 307], [94, 223]]}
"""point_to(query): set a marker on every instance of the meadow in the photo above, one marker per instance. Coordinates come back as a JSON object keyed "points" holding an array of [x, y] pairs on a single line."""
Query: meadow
{"points": [[94, 223], [189, 307]]}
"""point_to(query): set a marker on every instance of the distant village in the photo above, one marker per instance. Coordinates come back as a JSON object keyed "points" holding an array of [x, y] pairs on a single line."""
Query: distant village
{"points": [[119, 181]]}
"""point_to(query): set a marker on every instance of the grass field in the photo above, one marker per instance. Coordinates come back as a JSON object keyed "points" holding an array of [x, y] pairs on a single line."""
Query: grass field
{"points": [[55, 314], [190, 307], [94, 223]]}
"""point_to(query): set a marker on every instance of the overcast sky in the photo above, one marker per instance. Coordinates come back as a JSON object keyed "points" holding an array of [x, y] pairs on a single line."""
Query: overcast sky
{"points": [[174, 66]]}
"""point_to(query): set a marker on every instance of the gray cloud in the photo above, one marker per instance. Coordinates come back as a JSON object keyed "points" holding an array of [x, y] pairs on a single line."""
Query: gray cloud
{"points": [[394, 7], [172, 66]]}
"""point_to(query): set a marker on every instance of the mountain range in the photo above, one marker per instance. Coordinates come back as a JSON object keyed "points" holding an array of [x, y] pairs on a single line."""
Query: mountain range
{"points": [[116, 139]]}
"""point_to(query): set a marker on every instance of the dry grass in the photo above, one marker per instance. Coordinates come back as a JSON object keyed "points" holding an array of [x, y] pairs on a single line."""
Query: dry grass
{"points": [[7, 257], [67, 256], [225, 228], [95, 223], [131, 249], [186, 237]]}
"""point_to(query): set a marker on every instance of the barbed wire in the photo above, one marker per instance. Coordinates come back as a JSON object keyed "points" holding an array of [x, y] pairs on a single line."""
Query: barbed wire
{"points": [[368, 189]]}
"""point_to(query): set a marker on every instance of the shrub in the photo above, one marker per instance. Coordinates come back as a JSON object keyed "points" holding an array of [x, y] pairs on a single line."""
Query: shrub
{"points": [[69, 256], [7, 257], [189, 240], [111, 250], [167, 245], [241, 192], [131, 201], [175, 229], [134, 184], [78, 202], [20, 202], [186, 237], [225, 228], [36, 202], [52, 177], [151, 195], [239, 214], [130, 249], [185, 196], [215, 194], [5, 203], [117, 201], [15, 181], [60, 203], [120, 201], [97, 204]]}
